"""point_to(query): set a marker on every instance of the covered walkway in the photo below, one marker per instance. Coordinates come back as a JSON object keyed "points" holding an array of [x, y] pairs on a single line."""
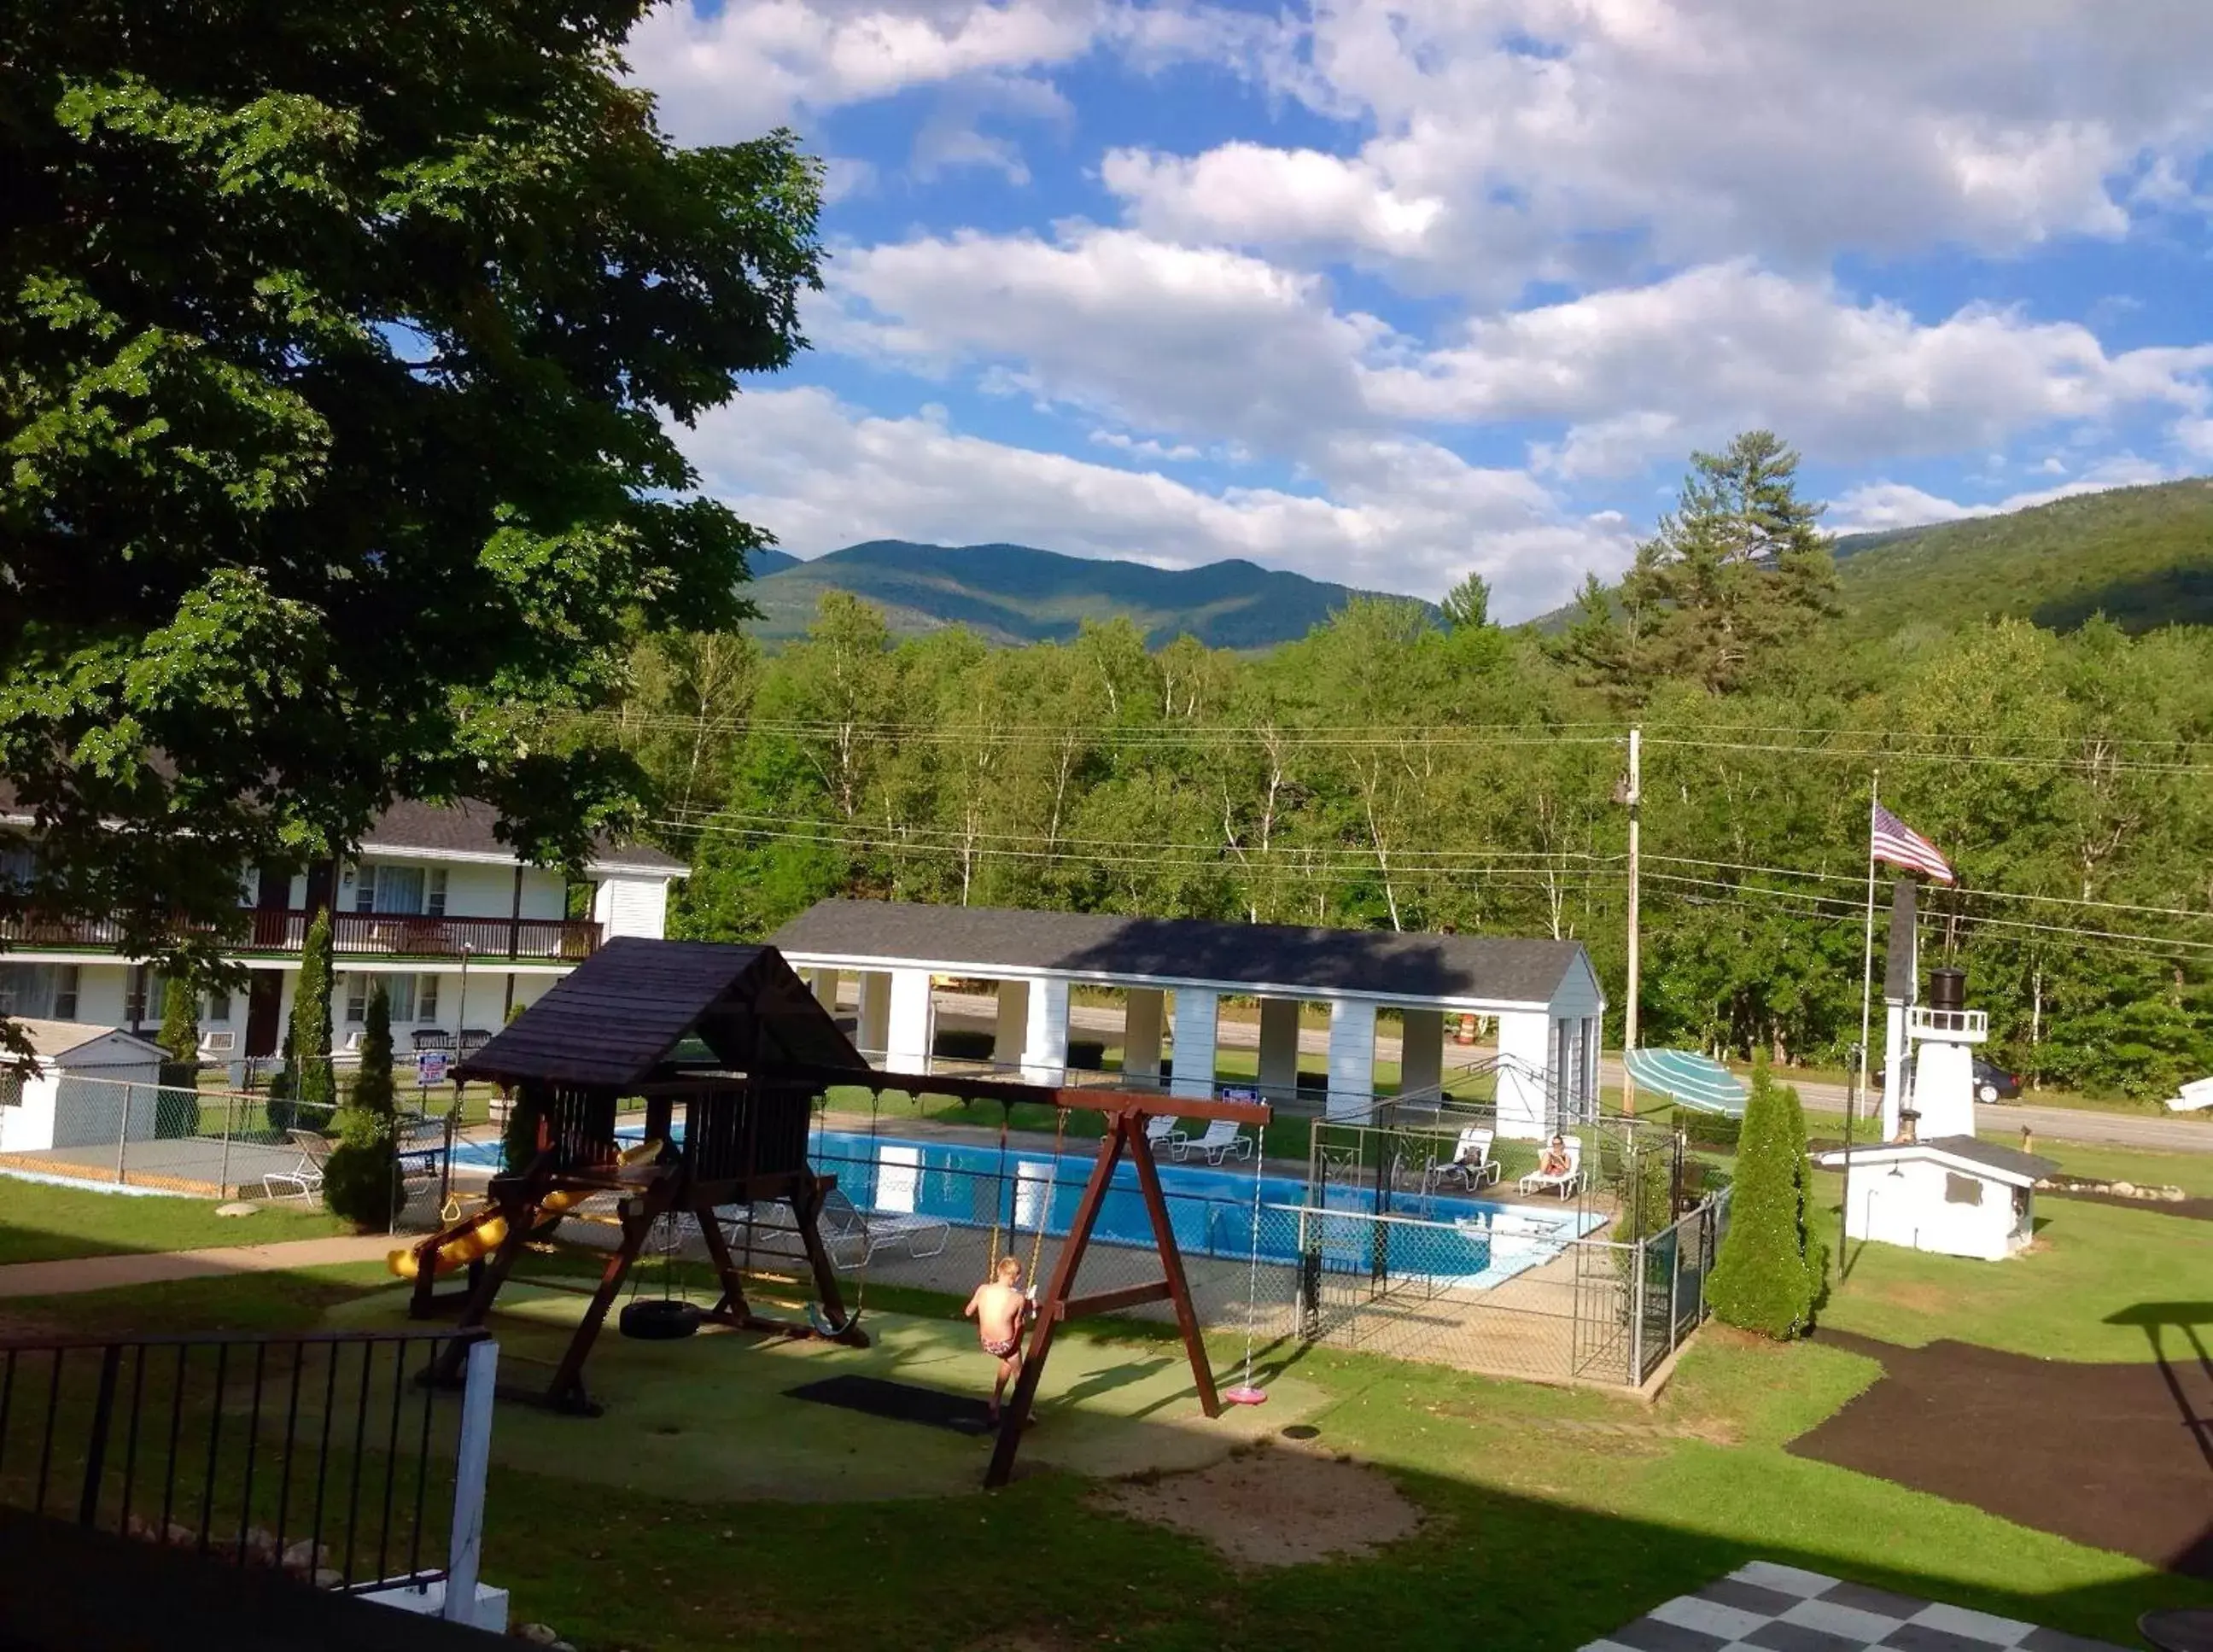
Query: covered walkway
{"points": [[1171, 976]]}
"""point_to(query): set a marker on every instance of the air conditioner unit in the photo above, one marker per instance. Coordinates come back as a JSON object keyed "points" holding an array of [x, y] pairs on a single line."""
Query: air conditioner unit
{"points": [[214, 1043]]}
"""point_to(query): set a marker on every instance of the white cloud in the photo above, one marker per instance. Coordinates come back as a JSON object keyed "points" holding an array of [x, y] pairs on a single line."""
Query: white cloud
{"points": [[1407, 516], [1193, 341], [1877, 505], [1648, 372], [1580, 139]]}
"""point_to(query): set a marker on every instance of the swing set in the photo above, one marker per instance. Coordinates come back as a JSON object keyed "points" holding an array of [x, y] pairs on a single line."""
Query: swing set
{"points": [[728, 1049], [1127, 1112]]}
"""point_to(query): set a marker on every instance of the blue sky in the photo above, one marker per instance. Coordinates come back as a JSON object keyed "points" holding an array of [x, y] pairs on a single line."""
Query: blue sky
{"points": [[1385, 290]]}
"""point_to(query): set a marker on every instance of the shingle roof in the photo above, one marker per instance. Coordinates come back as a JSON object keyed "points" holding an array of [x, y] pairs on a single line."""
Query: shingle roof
{"points": [[616, 1018], [2011, 1162], [1379, 963], [51, 1038], [468, 828]]}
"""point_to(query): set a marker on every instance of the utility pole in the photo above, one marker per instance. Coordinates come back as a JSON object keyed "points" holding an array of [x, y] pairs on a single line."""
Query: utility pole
{"points": [[1633, 794]]}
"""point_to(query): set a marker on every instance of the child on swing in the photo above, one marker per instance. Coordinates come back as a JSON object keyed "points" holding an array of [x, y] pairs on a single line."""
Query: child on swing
{"points": [[998, 1307]]}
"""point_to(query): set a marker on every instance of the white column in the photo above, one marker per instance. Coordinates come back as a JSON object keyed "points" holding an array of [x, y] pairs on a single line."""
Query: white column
{"points": [[1279, 1048], [1594, 1064], [1140, 1034], [1045, 1036], [1012, 1024], [875, 1024], [472, 1463], [906, 1050], [1523, 1036], [1351, 1057], [1195, 1025], [1421, 1052], [1894, 1047], [826, 989]]}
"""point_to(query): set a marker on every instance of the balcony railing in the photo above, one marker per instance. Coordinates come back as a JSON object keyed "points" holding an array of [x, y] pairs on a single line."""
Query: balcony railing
{"points": [[353, 934], [1968, 1025]]}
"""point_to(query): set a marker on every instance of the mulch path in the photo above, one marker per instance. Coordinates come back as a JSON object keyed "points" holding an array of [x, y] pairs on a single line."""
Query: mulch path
{"points": [[2193, 1210], [2117, 1456]]}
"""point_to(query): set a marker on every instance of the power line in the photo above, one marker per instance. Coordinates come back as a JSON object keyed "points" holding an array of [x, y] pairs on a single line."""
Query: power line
{"points": [[1970, 892]]}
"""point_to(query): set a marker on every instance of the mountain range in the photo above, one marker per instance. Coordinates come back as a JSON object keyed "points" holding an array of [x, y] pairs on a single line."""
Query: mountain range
{"points": [[1015, 594], [2142, 556]]}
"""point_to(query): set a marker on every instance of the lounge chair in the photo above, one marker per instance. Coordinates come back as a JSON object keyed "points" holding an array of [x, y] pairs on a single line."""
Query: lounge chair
{"points": [[1471, 1164], [1566, 1181], [1222, 1141], [306, 1178], [850, 1234], [1160, 1131]]}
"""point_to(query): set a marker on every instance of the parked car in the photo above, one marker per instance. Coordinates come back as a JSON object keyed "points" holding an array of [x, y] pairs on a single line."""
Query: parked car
{"points": [[1992, 1082]]}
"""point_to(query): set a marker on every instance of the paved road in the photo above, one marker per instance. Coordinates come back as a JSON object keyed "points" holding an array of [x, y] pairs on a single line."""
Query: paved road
{"points": [[2157, 1132]]}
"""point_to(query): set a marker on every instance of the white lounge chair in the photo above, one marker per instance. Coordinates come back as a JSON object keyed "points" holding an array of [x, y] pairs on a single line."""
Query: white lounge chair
{"points": [[305, 1178], [1471, 1164], [845, 1227], [1566, 1181], [1160, 1131], [1222, 1141]]}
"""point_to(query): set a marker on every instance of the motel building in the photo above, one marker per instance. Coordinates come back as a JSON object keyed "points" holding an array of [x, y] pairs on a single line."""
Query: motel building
{"points": [[1173, 974], [458, 928]]}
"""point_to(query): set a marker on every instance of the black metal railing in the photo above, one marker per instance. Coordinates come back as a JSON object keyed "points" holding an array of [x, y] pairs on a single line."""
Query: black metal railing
{"points": [[320, 1455]]}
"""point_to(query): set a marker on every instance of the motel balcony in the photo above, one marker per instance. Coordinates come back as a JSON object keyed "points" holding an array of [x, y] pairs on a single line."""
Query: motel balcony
{"points": [[272, 933]]}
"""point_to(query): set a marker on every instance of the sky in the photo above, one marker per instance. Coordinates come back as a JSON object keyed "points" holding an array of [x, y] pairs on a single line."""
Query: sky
{"points": [[1386, 291]]}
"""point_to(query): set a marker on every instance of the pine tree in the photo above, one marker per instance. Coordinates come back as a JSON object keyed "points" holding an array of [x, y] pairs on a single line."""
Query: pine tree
{"points": [[361, 1181], [313, 1086], [177, 1105], [1467, 605], [1761, 1281]]}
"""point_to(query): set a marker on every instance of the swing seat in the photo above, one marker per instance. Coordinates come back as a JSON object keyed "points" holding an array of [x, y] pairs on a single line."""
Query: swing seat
{"points": [[658, 1320]]}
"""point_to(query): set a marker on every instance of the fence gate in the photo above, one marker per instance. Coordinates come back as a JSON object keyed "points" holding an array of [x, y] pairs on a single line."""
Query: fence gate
{"points": [[1602, 1311]]}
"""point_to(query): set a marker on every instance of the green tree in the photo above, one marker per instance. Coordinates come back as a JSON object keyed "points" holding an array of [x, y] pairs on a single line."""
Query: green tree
{"points": [[1467, 605], [312, 1085], [1762, 1280], [361, 1179], [180, 1037], [343, 357], [1737, 570]]}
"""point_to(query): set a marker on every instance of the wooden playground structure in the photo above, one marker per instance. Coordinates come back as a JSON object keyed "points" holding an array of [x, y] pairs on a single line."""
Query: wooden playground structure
{"points": [[728, 1049]]}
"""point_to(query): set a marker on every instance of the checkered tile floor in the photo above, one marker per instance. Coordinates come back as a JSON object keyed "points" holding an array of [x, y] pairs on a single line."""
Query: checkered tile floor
{"points": [[1781, 1609]]}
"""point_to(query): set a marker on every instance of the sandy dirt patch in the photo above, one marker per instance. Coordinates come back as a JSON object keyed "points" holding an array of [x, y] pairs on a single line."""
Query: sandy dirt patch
{"points": [[1275, 1506]]}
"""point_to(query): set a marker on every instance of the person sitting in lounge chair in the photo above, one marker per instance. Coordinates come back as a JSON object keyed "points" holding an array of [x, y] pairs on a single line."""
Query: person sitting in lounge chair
{"points": [[1554, 1163]]}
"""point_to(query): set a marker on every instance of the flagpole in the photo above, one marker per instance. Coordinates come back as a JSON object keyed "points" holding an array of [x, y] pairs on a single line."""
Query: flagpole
{"points": [[1857, 1093]]}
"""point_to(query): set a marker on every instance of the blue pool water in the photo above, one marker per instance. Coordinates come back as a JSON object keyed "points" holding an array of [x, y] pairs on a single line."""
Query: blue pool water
{"points": [[1451, 1239]]}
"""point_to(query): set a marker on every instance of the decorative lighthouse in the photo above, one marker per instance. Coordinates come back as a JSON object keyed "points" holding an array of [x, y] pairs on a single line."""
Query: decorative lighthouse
{"points": [[1929, 1184]]}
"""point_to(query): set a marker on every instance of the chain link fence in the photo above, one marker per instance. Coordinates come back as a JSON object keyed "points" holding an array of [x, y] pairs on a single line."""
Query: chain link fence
{"points": [[218, 1144]]}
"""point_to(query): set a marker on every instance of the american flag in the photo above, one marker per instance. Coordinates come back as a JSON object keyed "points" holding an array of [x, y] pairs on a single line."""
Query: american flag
{"points": [[1901, 845]]}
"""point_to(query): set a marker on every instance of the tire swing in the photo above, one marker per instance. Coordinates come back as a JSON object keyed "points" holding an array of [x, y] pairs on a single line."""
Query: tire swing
{"points": [[667, 1317]]}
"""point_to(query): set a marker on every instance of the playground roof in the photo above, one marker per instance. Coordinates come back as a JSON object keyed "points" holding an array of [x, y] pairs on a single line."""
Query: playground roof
{"points": [[619, 1017], [1380, 963]]}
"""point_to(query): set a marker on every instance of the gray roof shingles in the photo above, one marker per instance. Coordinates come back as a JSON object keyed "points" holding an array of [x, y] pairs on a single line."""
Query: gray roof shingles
{"points": [[1380, 962], [615, 1019]]}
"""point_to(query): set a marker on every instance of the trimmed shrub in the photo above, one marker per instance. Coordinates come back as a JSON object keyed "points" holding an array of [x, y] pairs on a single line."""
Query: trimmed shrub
{"points": [[360, 1182], [313, 1085], [1762, 1281]]}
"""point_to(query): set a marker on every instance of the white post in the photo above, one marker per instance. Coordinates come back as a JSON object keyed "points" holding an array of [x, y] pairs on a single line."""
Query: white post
{"points": [[1140, 1034], [906, 1048], [1195, 1028], [826, 989], [875, 1022], [1044, 1034], [1633, 794], [1351, 1057], [1421, 1053], [122, 1131], [1867, 967], [1279, 1048], [472, 1459], [1012, 1024]]}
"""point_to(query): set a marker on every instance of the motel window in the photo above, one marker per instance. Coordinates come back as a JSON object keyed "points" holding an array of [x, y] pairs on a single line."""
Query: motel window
{"points": [[409, 997], [40, 992], [434, 892], [65, 994], [399, 890], [214, 1007]]}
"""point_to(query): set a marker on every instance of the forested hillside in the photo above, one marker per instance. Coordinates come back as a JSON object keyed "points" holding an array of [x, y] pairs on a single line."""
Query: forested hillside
{"points": [[1387, 771], [1013, 593]]}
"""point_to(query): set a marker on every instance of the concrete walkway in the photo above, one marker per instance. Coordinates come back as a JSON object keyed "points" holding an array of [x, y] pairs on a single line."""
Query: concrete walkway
{"points": [[165, 1267]]}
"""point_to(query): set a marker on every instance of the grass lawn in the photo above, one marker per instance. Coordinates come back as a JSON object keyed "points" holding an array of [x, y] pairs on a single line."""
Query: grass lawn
{"points": [[2090, 1262], [1549, 1517], [43, 1223]]}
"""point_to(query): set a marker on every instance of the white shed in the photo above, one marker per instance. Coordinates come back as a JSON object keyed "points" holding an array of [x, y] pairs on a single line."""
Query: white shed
{"points": [[88, 1075], [1956, 1196]]}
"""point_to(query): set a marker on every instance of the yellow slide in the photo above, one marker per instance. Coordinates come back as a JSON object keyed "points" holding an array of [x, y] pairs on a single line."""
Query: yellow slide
{"points": [[481, 1234]]}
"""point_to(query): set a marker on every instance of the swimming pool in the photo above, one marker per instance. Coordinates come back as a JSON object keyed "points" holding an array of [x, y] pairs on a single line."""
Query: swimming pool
{"points": [[1453, 1241]]}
